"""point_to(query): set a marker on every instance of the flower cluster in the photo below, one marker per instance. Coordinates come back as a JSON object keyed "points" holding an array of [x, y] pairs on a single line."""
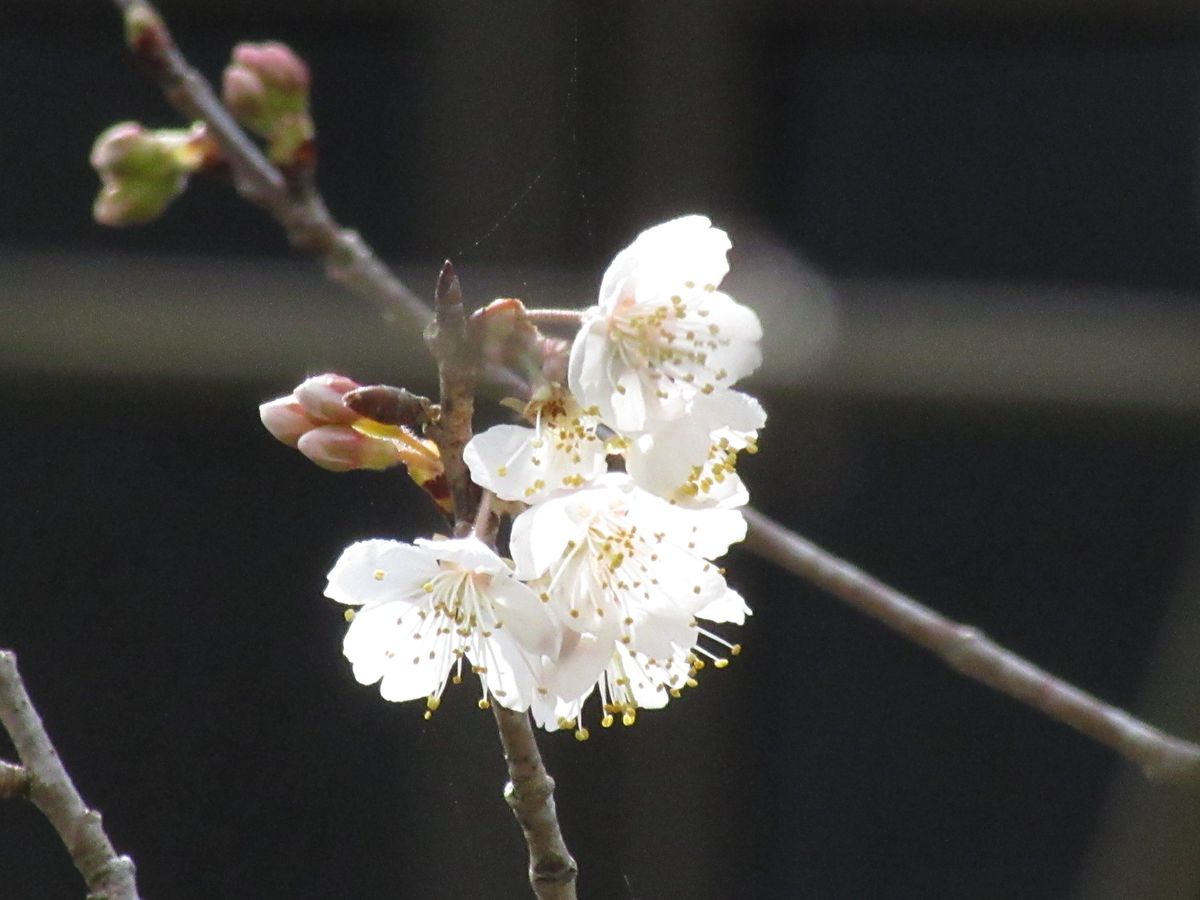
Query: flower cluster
{"points": [[625, 478]]}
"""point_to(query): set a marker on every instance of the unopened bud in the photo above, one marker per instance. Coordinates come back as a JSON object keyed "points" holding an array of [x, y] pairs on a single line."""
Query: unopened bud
{"points": [[340, 448], [389, 405], [321, 397], [145, 31], [285, 418], [266, 89], [276, 64], [143, 170]]}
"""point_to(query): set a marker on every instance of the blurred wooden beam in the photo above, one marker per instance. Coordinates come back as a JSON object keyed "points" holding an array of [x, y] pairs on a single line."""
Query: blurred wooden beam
{"points": [[274, 321]]}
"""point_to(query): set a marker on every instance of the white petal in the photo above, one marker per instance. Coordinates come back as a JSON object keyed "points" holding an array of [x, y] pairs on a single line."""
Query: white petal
{"points": [[676, 460], [738, 351], [549, 711], [735, 411], [591, 352], [706, 532], [573, 675], [729, 607], [386, 642], [540, 536], [468, 553], [628, 403], [525, 617], [499, 460], [378, 570], [510, 675], [661, 634], [649, 681], [684, 249]]}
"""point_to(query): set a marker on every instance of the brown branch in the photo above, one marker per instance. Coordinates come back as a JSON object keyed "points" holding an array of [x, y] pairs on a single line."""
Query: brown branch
{"points": [[456, 357], [298, 208], [530, 794], [1161, 756], [107, 875], [295, 204]]}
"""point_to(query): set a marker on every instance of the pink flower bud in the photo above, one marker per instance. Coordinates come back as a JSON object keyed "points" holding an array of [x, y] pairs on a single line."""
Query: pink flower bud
{"points": [[266, 89], [321, 398], [340, 448], [286, 419], [244, 94], [275, 63]]}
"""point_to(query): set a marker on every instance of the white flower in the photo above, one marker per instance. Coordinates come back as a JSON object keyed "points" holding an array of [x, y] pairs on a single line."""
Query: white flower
{"points": [[693, 461], [628, 681], [427, 607], [662, 333], [627, 574], [560, 452]]}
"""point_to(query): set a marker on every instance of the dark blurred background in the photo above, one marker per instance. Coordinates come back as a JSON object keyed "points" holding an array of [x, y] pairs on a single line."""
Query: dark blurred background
{"points": [[971, 229]]}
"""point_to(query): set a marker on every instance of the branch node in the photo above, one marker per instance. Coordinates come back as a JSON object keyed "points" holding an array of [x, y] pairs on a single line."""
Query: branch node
{"points": [[14, 781]]}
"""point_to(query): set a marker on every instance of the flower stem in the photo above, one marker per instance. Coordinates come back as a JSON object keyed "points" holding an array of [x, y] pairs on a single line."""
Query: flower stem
{"points": [[571, 317], [485, 523]]}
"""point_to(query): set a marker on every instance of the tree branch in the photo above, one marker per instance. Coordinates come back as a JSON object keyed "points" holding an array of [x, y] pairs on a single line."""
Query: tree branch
{"points": [[1161, 756], [298, 208], [530, 794], [456, 356], [49, 787], [296, 205]]}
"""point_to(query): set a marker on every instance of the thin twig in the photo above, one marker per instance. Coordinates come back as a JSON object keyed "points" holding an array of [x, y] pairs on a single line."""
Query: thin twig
{"points": [[300, 210], [1161, 756], [564, 317], [296, 205], [457, 365], [107, 875], [530, 794]]}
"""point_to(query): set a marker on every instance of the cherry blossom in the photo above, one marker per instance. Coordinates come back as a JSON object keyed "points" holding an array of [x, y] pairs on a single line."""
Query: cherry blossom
{"points": [[425, 607], [621, 568], [560, 452], [693, 461], [662, 333]]}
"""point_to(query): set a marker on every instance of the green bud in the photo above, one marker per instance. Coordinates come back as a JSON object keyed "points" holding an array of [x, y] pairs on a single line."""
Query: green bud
{"points": [[143, 170]]}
